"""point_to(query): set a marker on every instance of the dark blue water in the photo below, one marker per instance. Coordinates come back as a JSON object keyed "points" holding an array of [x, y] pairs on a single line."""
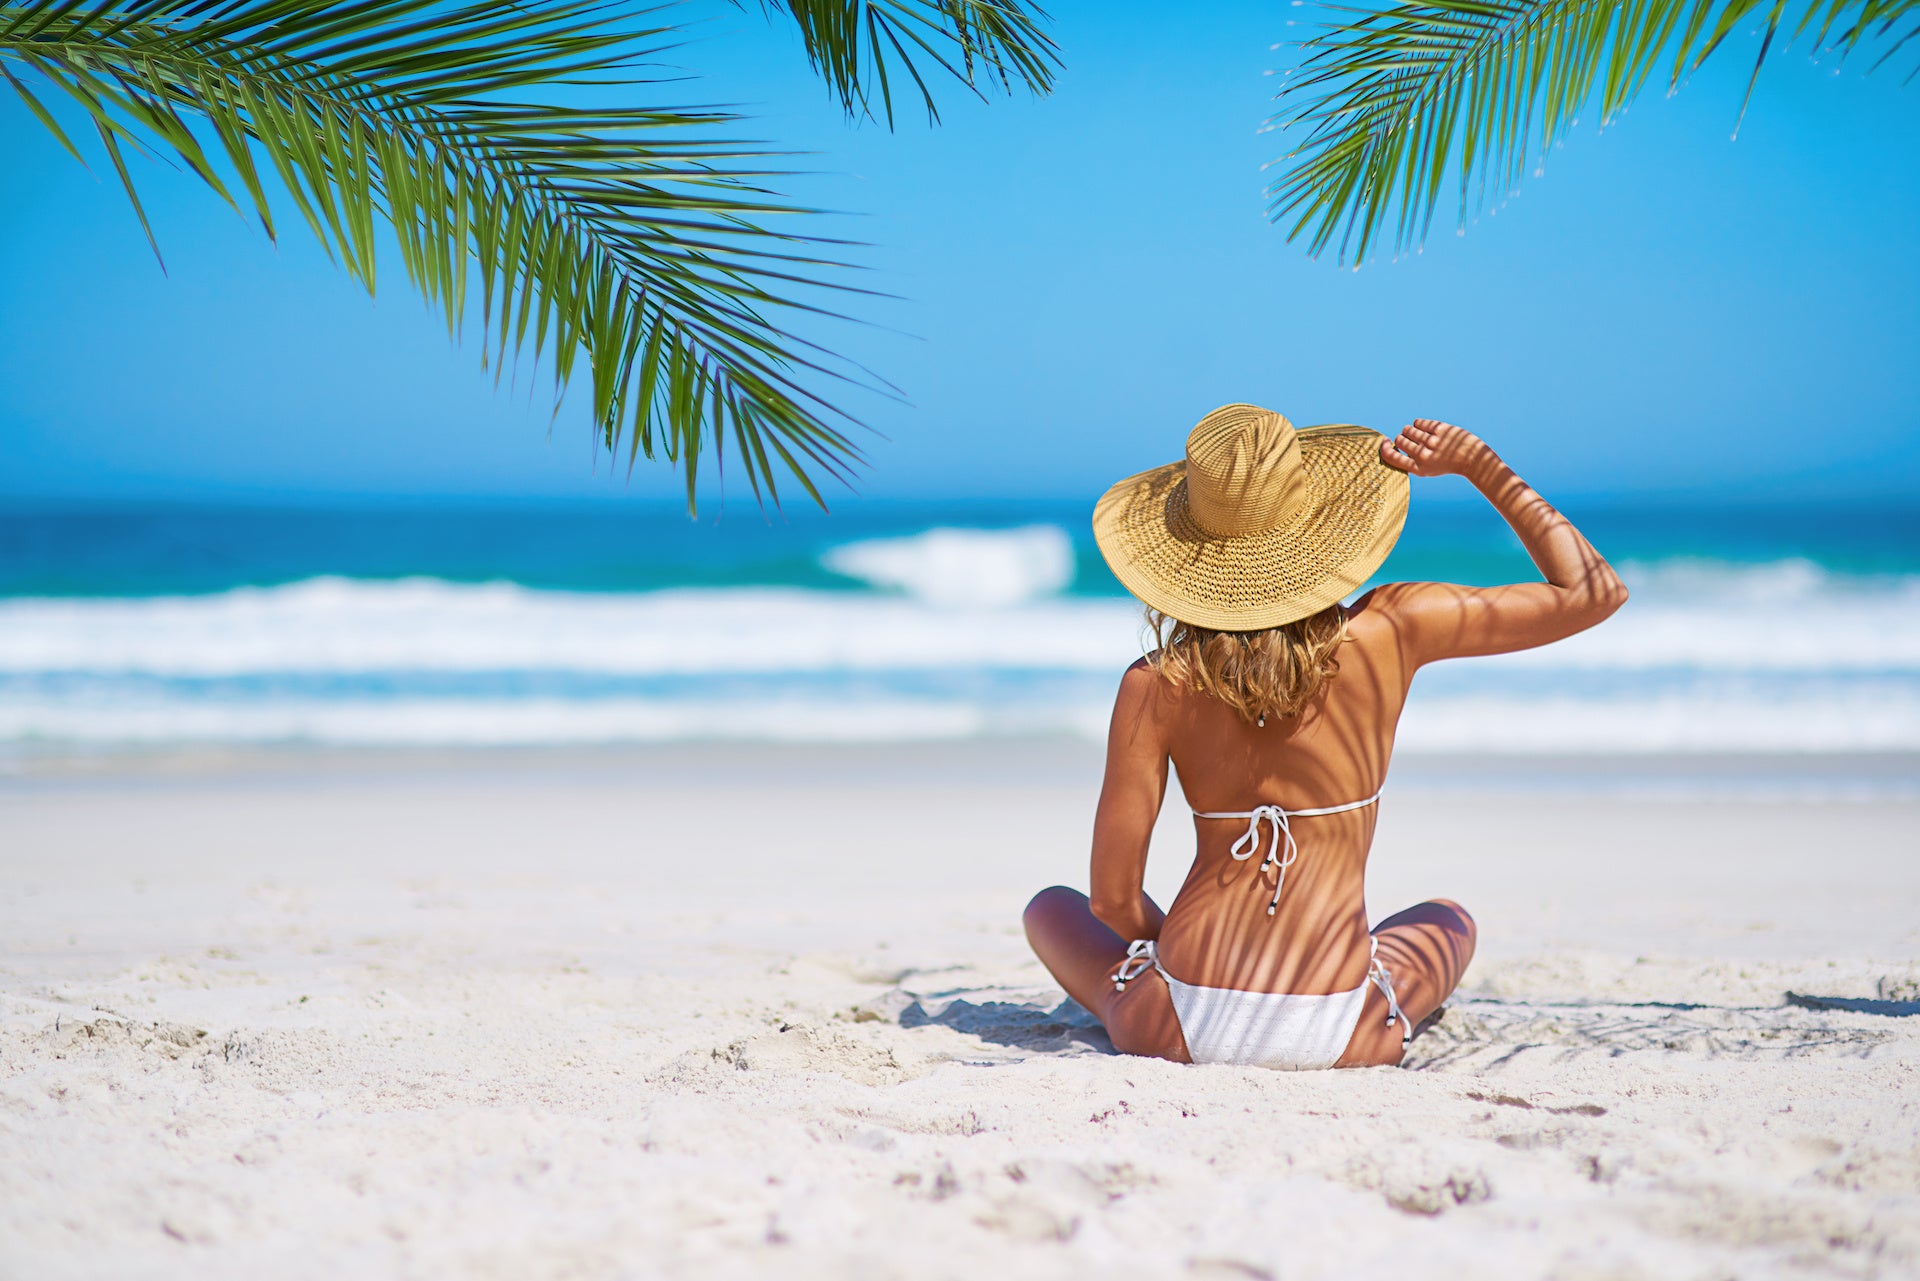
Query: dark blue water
{"points": [[155, 551]]}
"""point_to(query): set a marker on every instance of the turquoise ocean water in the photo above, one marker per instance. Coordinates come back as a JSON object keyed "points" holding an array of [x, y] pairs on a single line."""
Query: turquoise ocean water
{"points": [[1751, 630]]}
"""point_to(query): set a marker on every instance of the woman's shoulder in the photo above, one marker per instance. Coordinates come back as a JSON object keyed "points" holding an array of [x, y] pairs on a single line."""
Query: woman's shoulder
{"points": [[1387, 597], [1409, 622], [1144, 685], [1142, 674], [1399, 602]]}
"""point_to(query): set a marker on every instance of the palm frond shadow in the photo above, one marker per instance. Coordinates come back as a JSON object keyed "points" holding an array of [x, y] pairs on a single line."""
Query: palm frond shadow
{"points": [[1470, 1034], [1479, 1033]]}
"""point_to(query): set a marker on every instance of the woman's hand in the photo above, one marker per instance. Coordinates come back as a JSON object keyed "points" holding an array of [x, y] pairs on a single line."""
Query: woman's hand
{"points": [[1429, 447]]}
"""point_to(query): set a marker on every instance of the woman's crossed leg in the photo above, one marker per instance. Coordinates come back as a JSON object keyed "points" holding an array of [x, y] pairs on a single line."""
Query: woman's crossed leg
{"points": [[1083, 954], [1426, 949]]}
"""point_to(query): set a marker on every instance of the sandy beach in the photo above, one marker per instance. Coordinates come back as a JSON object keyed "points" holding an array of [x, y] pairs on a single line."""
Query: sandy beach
{"points": [[748, 1012]]}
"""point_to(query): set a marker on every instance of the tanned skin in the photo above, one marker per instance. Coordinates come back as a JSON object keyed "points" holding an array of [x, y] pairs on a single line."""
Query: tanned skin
{"points": [[1217, 932]]}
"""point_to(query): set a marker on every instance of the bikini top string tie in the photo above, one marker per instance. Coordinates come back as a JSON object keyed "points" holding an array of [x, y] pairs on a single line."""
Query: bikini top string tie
{"points": [[1249, 842], [1283, 849]]}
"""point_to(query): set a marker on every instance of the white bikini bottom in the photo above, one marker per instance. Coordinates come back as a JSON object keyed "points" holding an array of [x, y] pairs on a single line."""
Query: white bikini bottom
{"points": [[1282, 1030]]}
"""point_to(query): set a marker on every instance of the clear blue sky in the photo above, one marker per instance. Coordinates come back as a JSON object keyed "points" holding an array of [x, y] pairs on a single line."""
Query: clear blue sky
{"points": [[1082, 277]]}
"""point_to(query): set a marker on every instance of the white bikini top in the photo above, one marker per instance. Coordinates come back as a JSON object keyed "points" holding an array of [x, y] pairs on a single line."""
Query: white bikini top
{"points": [[1243, 849]]}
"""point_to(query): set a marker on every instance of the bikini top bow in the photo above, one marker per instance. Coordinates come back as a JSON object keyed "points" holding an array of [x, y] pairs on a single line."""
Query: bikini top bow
{"points": [[1283, 849]]}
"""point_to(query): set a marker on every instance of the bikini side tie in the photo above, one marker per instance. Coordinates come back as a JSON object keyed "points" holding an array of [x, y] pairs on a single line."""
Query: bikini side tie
{"points": [[1382, 978], [1142, 955], [1276, 817]]}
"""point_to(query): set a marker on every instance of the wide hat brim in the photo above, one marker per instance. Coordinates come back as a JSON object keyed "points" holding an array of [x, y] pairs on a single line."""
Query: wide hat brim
{"points": [[1354, 509]]}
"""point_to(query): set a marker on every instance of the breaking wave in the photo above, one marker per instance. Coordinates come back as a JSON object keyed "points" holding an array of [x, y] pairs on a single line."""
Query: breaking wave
{"points": [[961, 634]]}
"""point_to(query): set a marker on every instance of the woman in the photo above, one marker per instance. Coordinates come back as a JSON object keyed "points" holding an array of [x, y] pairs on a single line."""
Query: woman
{"points": [[1277, 706]]}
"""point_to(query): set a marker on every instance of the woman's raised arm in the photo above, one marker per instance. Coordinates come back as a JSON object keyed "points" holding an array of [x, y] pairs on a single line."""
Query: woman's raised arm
{"points": [[1442, 620]]}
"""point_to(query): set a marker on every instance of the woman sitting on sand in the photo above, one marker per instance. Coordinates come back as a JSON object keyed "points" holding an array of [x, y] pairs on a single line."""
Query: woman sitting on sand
{"points": [[1277, 705]]}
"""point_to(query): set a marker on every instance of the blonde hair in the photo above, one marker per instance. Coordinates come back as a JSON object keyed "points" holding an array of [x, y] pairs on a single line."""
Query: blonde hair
{"points": [[1258, 674]]}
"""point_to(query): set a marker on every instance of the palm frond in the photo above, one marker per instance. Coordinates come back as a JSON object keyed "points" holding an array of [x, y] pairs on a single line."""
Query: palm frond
{"points": [[1397, 95], [636, 239], [858, 46]]}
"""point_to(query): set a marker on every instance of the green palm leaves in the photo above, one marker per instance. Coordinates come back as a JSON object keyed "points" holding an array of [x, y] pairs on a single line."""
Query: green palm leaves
{"points": [[1401, 93], [638, 240], [857, 45]]}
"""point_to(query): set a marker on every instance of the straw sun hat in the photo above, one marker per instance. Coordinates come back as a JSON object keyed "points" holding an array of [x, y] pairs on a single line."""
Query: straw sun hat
{"points": [[1260, 524]]}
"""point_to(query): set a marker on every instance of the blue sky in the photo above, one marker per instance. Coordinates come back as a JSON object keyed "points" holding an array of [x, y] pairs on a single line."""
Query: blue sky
{"points": [[1664, 312]]}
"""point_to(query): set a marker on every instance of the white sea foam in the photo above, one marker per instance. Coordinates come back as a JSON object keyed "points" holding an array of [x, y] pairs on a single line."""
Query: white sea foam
{"points": [[1815, 633], [523, 722], [1768, 658], [422, 625], [1881, 717], [1771, 583], [1867, 721], [959, 568], [425, 625]]}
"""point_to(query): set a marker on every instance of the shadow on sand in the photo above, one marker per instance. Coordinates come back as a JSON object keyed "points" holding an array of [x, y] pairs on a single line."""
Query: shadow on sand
{"points": [[1477, 1034], [1017, 1025]]}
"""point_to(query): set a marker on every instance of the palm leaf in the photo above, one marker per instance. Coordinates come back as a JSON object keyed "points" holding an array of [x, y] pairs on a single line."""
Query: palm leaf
{"points": [[640, 239], [858, 46], [1395, 96]]}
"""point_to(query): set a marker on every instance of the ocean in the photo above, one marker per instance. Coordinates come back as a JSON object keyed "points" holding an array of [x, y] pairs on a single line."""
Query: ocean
{"points": [[1750, 630]]}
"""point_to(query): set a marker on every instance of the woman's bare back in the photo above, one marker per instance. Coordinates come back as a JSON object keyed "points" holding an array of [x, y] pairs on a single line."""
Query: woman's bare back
{"points": [[1335, 751]]}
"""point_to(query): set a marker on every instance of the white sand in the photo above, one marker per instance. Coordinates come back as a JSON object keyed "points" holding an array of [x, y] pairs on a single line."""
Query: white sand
{"points": [[717, 1014]]}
